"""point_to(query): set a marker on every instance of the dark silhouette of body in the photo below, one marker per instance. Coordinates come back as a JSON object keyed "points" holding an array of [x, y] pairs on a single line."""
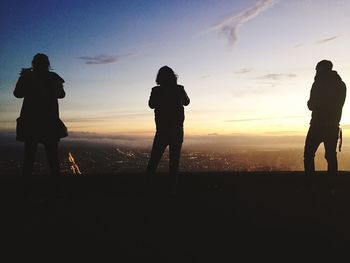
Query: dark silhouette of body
{"points": [[39, 119], [167, 99], [326, 101]]}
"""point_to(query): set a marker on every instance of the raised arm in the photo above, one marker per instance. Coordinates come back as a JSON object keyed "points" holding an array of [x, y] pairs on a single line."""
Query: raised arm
{"points": [[311, 104], [20, 89], [152, 102], [57, 82], [185, 99], [342, 95], [60, 93]]}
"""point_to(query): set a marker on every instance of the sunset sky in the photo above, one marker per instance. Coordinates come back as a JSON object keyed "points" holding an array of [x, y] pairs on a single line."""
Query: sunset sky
{"points": [[246, 65]]}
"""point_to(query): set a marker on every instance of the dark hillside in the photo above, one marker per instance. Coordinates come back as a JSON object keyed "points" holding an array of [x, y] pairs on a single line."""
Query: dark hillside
{"points": [[212, 215]]}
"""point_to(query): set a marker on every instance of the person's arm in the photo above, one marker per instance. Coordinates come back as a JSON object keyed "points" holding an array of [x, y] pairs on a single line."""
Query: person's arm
{"points": [[60, 93], [19, 91], [311, 104], [342, 95], [21, 85], [152, 102], [185, 99]]}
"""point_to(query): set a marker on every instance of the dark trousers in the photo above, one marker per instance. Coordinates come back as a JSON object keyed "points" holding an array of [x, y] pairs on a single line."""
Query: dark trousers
{"points": [[30, 149], [315, 136], [161, 140]]}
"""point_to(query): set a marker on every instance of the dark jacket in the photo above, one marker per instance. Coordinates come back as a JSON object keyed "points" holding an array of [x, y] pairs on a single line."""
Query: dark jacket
{"points": [[327, 98], [39, 118], [168, 102]]}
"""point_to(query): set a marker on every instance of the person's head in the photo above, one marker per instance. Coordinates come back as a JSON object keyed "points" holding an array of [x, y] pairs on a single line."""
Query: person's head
{"points": [[166, 76], [324, 66], [41, 62]]}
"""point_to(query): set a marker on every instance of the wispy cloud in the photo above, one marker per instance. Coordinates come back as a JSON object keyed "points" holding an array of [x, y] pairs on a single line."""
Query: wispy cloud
{"points": [[299, 45], [265, 118], [103, 59], [105, 117], [230, 25], [328, 39], [243, 71], [319, 42], [282, 133], [248, 91], [277, 76]]}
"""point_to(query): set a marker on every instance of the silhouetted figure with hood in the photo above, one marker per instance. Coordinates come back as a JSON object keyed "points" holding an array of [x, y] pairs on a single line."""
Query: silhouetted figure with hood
{"points": [[168, 100], [39, 120], [326, 101]]}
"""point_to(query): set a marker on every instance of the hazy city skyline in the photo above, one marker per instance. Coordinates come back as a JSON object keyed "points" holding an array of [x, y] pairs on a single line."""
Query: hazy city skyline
{"points": [[96, 156]]}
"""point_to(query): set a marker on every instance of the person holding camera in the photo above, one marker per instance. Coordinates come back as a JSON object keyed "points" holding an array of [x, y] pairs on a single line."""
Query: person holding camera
{"points": [[39, 120], [168, 100]]}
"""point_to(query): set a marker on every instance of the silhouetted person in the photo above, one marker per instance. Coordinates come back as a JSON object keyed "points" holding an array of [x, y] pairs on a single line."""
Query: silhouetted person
{"points": [[39, 119], [326, 101], [167, 99]]}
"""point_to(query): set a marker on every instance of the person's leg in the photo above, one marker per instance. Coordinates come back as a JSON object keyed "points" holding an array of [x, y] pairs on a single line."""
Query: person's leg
{"points": [[330, 145], [174, 159], [313, 140], [174, 154], [51, 148], [30, 148], [158, 148]]}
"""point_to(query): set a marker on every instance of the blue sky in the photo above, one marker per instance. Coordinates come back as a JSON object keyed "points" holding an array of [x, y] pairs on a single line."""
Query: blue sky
{"points": [[247, 65]]}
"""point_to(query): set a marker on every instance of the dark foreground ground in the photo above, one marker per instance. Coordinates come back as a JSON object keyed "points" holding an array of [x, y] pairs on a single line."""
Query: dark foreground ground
{"points": [[212, 216]]}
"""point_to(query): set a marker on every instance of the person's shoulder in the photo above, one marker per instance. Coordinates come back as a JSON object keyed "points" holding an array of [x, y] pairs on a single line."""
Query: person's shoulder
{"points": [[180, 87], [343, 85], [338, 79], [335, 76], [56, 77], [155, 88]]}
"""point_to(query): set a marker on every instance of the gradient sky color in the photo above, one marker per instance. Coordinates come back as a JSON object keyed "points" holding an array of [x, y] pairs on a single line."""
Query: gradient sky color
{"points": [[247, 65]]}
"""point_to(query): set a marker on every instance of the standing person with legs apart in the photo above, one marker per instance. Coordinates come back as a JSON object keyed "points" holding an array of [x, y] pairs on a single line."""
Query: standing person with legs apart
{"points": [[168, 100], [326, 102], [39, 120]]}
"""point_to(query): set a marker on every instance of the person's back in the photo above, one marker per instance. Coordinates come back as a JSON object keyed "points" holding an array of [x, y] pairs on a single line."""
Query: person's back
{"points": [[167, 102], [39, 120], [326, 101], [39, 90], [327, 98]]}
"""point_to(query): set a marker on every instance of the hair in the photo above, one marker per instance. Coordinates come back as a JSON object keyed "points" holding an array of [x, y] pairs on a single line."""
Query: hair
{"points": [[166, 76], [41, 62], [324, 65]]}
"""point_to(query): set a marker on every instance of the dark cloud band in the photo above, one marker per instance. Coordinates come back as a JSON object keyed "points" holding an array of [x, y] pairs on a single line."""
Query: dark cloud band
{"points": [[103, 59]]}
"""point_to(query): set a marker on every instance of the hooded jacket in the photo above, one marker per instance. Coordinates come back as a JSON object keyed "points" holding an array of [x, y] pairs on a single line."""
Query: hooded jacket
{"points": [[327, 98]]}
